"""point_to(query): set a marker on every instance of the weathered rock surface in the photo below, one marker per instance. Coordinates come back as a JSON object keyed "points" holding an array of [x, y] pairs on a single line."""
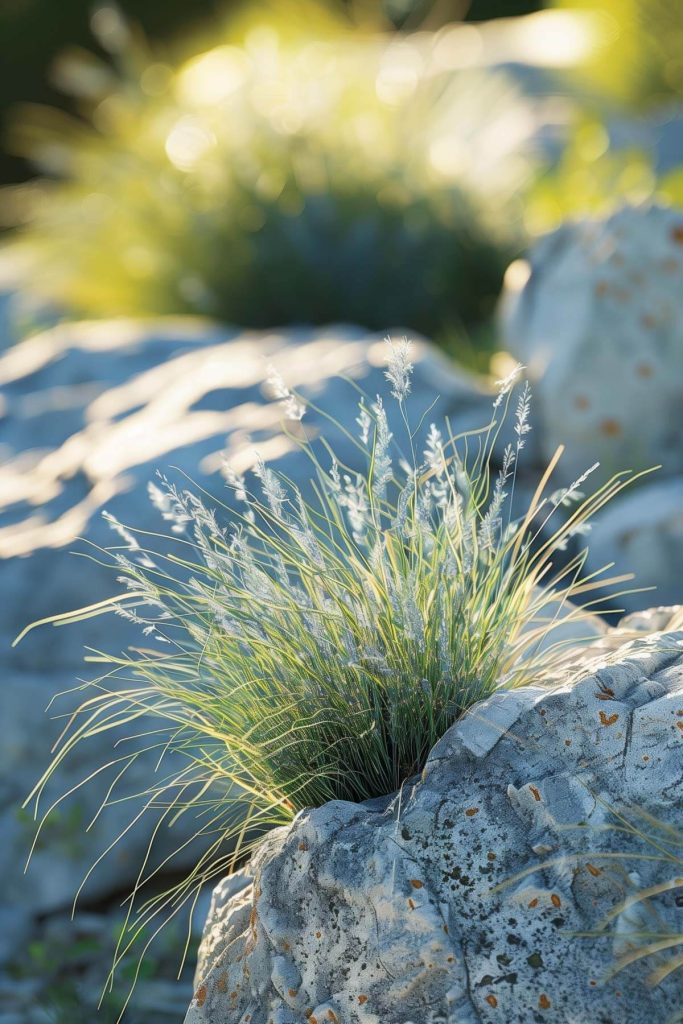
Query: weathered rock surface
{"points": [[461, 902], [89, 412], [596, 316]]}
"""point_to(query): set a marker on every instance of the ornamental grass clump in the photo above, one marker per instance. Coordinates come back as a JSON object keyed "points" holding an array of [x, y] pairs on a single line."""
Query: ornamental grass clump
{"points": [[316, 649]]}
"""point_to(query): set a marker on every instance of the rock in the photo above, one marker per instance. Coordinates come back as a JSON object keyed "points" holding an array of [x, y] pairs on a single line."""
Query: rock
{"points": [[462, 902], [91, 411], [642, 532], [596, 317], [653, 620]]}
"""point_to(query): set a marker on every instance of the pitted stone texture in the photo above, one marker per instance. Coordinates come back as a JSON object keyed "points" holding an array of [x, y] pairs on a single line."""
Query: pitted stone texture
{"points": [[459, 903], [598, 323]]}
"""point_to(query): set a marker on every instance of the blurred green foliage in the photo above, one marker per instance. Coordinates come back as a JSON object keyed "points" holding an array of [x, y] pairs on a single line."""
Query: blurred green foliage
{"points": [[62, 975], [301, 170], [34, 32], [640, 63]]}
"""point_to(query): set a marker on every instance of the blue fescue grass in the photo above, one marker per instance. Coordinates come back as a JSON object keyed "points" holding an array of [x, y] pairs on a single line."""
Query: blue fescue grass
{"points": [[316, 650]]}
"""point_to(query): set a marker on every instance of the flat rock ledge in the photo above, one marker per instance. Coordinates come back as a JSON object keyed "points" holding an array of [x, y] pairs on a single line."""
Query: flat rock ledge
{"points": [[465, 900]]}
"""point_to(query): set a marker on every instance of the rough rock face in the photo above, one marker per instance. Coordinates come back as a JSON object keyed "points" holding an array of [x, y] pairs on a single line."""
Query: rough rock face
{"points": [[596, 316], [89, 412], [460, 901]]}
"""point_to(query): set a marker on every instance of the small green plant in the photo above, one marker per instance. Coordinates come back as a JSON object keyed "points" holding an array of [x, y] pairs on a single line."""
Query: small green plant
{"points": [[316, 650]]}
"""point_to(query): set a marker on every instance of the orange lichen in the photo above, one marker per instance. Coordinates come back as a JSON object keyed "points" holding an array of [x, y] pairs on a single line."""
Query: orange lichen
{"points": [[362, 999], [605, 694], [593, 870], [610, 427], [534, 902], [492, 1001], [416, 883], [200, 995], [608, 719], [555, 900], [543, 1002], [471, 811], [535, 792]]}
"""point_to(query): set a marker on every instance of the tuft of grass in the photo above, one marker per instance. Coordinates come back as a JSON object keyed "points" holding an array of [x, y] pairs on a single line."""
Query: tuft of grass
{"points": [[316, 650]]}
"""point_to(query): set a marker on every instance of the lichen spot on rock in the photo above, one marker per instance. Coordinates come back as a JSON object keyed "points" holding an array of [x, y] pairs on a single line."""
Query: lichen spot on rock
{"points": [[492, 1001], [416, 883], [200, 995], [471, 811], [611, 427], [608, 719], [543, 1002]]}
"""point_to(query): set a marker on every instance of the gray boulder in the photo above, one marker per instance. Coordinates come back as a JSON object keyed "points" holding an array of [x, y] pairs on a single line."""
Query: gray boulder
{"points": [[463, 900], [642, 532], [90, 411], [596, 315]]}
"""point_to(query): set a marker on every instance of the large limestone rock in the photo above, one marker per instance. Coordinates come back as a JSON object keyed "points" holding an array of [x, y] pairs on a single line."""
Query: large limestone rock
{"points": [[89, 412], [596, 315], [461, 900]]}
